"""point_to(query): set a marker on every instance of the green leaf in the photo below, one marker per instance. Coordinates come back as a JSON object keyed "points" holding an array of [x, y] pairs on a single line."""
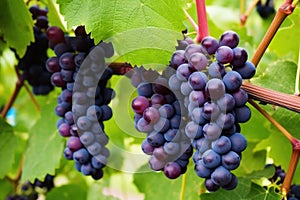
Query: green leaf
{"points": [[6, 188], [45, 146], [95, 191], [53, 15], [139, 29], [286, 41], [9, 145], [286, 70], [67, 192], [259, 193], [16, 25]]}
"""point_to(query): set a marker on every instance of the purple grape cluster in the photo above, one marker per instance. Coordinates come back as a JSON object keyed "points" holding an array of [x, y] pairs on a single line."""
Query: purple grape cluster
{"points": [[79, 69], [205, 82], [158, 114], [29, 191], [209, 76], [32, 64]]}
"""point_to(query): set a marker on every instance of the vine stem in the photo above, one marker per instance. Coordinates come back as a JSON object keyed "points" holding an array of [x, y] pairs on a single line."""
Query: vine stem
{"points": [[242, 6], [244, 16], [285, 9], [191, 20], [265, 95], [183, 186], [202, 20], [295, 145]]}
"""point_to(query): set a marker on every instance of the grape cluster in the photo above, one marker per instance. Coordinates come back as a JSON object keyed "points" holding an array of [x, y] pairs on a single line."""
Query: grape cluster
{"points": [[265, 10], [79, 69], [205, 80], [30, 191], [32, 63], [158, 114], [278, 178]]}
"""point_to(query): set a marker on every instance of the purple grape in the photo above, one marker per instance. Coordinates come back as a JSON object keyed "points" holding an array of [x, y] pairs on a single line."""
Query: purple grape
{"points": [[197, 80], [210, 44], [232, 81], [247, 71], [224, 54], [198, 61], [230, 39], [172, 170], [240, 57]]}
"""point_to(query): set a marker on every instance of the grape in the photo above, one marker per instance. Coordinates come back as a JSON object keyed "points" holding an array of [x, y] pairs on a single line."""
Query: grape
{"points": [[210, 185], [145, 89], [106, 112], [211, 159], [74, 143], [151, 115], [95, 148], [96, 163], [211, 131], [193, 130], [226, 103], [52, 64], [230, 39], [201, 170], [185, 89], [172, 170], [177, 59], [55, 34], [139, 104], [147, 147], [171, 148], [240, 57], [68, 154], [81, 155], [210, 111], [224, 54], [155, 139], [216, 70], [231, 160], [222, 145], [232, 81], [232, 184], [87, 138], [84, 123], [202, 145], [210, 44], [247, 71], [160, 153], [143, 126], [215, 88], [198, 61], [197, 80], [193, 48], [172, 135], [156, 164], [183, 72], [64, 130], [238, 142], [166, 111], [221, 176], [174, 83], [197, 98], [266, 10], [240, 97], [242, 114]]}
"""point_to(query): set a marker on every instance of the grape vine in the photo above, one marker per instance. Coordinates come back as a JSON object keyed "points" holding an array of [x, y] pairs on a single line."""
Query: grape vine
{"points": [[192, 110]]}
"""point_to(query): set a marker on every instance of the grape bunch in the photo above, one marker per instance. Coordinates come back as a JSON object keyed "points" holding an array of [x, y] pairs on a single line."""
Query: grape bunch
{"points": [[79, 70], [158, 114], [205, 80], [31, 191], [32, 64], [278, 178]]}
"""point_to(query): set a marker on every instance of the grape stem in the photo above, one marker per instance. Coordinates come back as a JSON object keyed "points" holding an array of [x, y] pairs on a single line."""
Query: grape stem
{"points": [[244, 16], [242, 6], [15, 181], [19, 84], [202, 20], [285, 9], [295, 145], [265, 95], [191, 20], [183, 186]]}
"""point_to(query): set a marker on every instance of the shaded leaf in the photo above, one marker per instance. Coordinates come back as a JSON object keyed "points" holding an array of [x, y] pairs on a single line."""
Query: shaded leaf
{"points": [[67, 192]]}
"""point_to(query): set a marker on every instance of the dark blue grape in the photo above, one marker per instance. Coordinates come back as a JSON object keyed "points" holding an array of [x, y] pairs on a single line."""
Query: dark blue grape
{"points": [[222, 145], [177, 58], [211, 131], [193, 130], [231, 160], [232, 81], [216, 70], [87, 138], [232, 184], [172, 148], [201, 170], [247, 71], [197, 80], [211, 159], [226, 103], [224, 54], [147, 148], [221, 176], [215, 88], [210, 185], [198, 61], [230, 39], [242, 114], [238, 142], [81, 155], [145, 89], [240, 57], [155, 139], [162, 125], [166, 111]]}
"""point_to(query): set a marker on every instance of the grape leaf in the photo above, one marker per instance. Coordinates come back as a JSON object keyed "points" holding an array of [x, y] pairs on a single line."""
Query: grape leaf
{"points": [[286, 41], [16, 25], [9, 145], [137, 28], [284, 69], [257, 193], [67, 192], [157, 186], [53, 15], [45, 146], [96, 189], [6, 188]]}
